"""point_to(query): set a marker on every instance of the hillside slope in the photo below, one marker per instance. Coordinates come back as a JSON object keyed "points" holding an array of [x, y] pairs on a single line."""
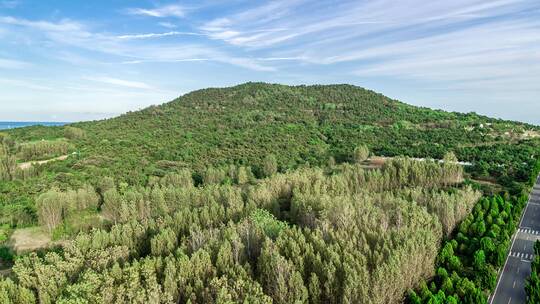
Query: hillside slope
{"points": [[302, 124]]}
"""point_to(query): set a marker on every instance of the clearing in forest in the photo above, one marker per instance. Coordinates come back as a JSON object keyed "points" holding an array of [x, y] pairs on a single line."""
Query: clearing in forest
{"points": [[29, 164], [29, 239]]}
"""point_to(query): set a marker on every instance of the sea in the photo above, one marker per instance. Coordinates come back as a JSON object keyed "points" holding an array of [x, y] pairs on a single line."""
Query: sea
{"points": [[19, 124]]}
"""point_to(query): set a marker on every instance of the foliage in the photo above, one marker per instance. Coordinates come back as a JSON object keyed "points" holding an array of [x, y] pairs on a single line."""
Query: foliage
{"points": [[270, 166], [532, 287], [361, 153], [467, 264], [267, 127], [344, 235], [43, 149], [224, 196], [267, 223], [73, 133]]}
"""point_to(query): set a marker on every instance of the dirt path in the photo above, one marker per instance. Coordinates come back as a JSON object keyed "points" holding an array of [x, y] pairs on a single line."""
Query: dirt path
{"points": [[29, 164], [492, 183]]}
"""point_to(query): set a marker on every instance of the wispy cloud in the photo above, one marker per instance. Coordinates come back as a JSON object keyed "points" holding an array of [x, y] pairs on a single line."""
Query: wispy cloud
{"points": [[168, 25], [157, 35], [480, 56], [166, 60], [171, 10], [13, 64], [285, 21], [75, 34], [281, 58], [9, 3], [120, 82], [443, 41], [472, 46], [24, 84], [61, 26]]}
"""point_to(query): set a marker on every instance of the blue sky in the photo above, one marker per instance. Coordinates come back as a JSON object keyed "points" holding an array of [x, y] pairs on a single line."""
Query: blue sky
{"points": [[82, 60]]}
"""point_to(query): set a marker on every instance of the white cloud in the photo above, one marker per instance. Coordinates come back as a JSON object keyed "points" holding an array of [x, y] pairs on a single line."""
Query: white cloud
{"points": [[247, 63], [298, 22], [461, 44], [483, 53], [73, 34], [171, 10], [13, 64], [165, 60], [65, 25], [25, 84], [168, 25], [461, 40], [120, 82], [156, 35], [281, 58]]}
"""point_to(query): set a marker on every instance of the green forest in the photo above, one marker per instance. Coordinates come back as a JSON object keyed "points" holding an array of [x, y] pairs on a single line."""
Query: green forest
{"points": [[264, 193]]}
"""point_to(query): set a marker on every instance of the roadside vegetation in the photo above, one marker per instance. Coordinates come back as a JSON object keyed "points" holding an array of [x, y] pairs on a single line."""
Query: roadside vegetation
{"points": [[533, 282]]}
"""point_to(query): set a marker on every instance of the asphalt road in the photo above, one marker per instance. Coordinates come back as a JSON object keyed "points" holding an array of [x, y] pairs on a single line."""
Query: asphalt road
{"points": [[511, 285]]}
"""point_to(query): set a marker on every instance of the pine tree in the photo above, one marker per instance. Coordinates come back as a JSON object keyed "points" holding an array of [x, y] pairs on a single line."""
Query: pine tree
{"points": [[361, 153], [269, 166], [50, 207]]}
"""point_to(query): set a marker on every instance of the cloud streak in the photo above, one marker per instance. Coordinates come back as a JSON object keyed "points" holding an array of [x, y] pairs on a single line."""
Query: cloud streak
{"points": [[168, 25], [74, 34], [25, 84], [13, 64], [171, 10], [120, 82], [64, 25], [157, 35], [443, 41], [439, 48]]}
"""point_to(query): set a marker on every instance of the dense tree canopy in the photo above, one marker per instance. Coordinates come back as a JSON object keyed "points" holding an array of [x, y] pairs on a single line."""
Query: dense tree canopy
{"points": [[263, 194], [347, 235]]}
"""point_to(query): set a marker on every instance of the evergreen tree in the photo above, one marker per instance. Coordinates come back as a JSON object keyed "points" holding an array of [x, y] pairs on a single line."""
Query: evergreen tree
{"points": [[269, 166]]}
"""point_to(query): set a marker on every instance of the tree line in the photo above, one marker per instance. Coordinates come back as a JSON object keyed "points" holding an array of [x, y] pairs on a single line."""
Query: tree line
{"points": [[532, 286], [469, 259]]}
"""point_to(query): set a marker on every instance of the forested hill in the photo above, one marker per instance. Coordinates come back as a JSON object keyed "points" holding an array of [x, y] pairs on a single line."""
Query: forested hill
{"points": [[301, 124], [263, 193]]}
